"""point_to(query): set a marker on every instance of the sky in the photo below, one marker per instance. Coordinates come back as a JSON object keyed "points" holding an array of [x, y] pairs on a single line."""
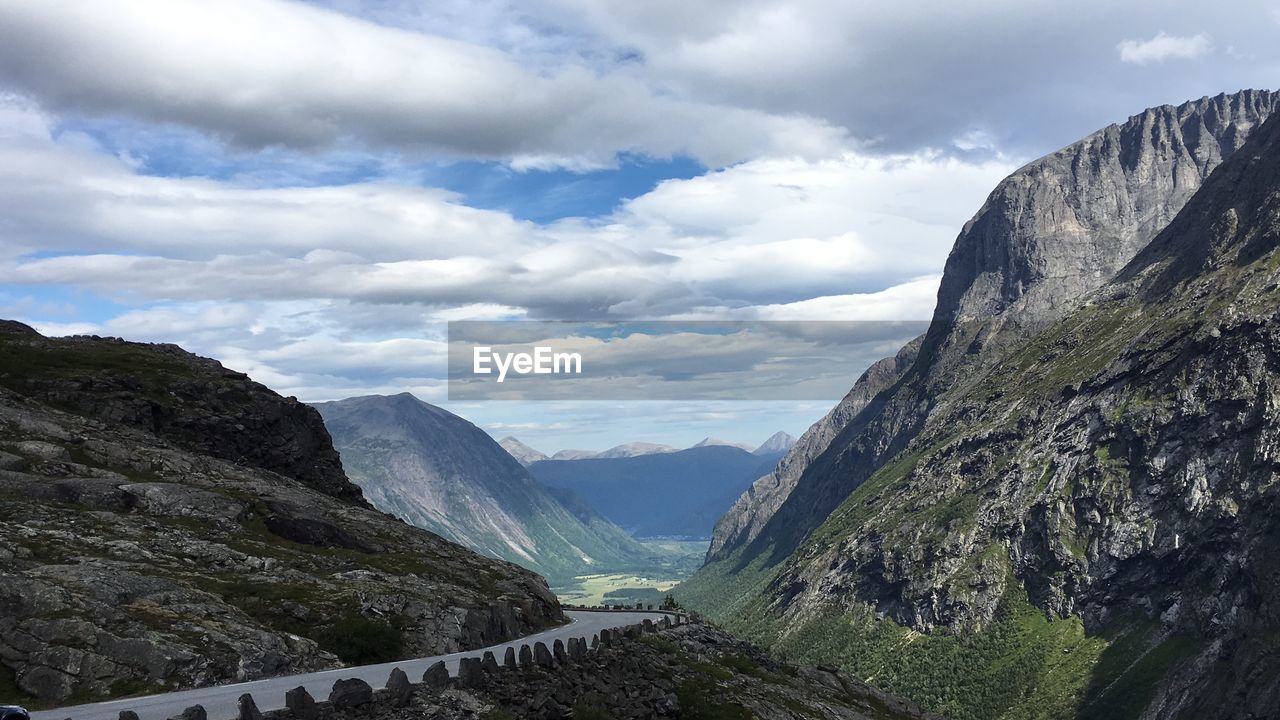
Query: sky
{"points": [[309, 192]]}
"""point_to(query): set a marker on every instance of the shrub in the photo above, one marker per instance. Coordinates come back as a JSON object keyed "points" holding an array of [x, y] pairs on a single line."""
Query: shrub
{"points": [[358, 640]]}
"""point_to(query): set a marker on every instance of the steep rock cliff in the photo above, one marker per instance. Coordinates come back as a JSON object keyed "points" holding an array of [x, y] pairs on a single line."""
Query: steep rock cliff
{"points": [[1103, 458]]}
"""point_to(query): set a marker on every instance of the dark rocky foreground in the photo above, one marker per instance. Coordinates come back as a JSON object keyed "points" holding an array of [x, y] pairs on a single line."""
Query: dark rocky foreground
{"points": [[689, 670], [171, 524]]}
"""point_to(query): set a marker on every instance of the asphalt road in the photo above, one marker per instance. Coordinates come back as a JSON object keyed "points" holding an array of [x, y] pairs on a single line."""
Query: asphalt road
{"points": [[220, 702]]}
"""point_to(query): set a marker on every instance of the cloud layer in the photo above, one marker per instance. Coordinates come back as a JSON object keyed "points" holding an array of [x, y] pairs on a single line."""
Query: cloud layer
{"points": [[263, 180]]}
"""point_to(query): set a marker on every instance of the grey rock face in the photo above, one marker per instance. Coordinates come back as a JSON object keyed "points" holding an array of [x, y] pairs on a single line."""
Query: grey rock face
{"points": [[190, 401], [752, 511], [1065, 224], [1109, 456], [1049, 234]]}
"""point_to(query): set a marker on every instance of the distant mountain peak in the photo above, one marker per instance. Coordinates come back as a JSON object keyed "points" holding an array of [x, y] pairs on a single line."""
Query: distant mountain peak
{"points": [[710, 441], [777, 444], [633, 449], [574, 454], [523, 454]]}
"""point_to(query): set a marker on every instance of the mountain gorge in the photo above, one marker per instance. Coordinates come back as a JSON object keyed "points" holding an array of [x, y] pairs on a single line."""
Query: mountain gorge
{"points": [[1061, 502], [437, 471], [170, 523]]}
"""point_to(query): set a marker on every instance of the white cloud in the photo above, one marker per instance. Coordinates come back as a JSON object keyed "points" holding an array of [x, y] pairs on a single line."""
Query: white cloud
{"points": [[759, 233], [269, 72], [327, 292], [1164, 47]]}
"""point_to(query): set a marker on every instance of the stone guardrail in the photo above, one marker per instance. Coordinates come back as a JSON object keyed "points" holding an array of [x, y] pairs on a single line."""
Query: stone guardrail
{"points": [[474, 673]]}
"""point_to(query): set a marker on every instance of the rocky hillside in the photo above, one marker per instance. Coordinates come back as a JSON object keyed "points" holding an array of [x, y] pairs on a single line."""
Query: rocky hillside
{"points": [[1069, 491], [134, 557], [187, 400], [437, 471], [752, 510]]}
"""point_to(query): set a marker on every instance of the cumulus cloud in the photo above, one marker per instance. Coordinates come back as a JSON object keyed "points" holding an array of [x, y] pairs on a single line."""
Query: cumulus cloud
{"points": [[1164, 47], [269, 72], [1031, 76], [767, 232]]}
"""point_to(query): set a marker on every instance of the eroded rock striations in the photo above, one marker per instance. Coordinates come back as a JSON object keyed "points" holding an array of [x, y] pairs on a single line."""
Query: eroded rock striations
{"points": [[749, 514], [439, 472], [1075, 479], [134, 558]]}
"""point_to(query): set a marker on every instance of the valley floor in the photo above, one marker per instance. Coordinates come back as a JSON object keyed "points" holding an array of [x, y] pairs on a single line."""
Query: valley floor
{"points": [[638, 585]]}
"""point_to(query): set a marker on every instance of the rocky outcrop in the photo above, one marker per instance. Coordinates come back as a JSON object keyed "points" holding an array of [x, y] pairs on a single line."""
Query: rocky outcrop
{"points": [[130, 563], [1065, 224], [749, 514], [1049, 234], [190, 401], [1088, 432]]}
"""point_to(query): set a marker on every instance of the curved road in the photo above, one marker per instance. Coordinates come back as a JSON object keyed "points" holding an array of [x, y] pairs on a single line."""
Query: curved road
{"points": [[220, 701]]}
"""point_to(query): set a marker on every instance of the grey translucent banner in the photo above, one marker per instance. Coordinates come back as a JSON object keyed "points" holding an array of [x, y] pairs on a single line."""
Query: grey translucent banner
{"points": [[667, 360]]}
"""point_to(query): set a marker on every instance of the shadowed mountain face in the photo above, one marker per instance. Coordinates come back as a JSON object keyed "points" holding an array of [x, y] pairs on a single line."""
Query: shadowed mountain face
{"points": [[668, 494], [135, 557], [1077, 471], [440, 472]]}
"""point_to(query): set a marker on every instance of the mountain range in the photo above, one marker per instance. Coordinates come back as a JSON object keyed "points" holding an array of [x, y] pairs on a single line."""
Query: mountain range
{"points": [[439, 472], [667, 494], [1060, 501], [777, 444]]}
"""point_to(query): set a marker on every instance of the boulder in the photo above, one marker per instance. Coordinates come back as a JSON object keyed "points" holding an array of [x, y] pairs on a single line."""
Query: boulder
{"points": [[436, 676], [526, 656], [399, 688], [509, 658], [471, 674], [195, 712], [557, 649], [248, 709], [351, 693], [301, 704], [489, 663], [542, 656]]}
